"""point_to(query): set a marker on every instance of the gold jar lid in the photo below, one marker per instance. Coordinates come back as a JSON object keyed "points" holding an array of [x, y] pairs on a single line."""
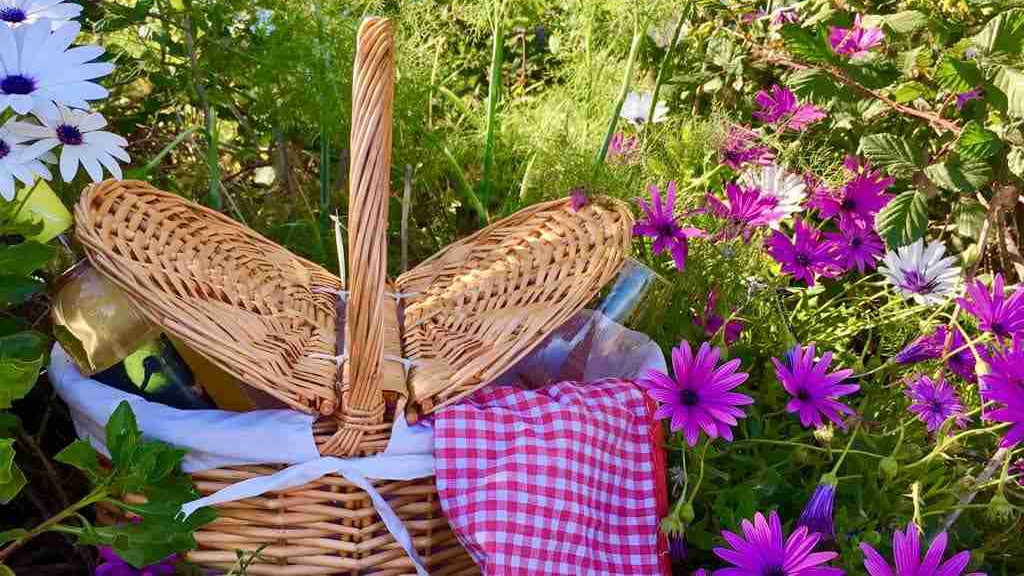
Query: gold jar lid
{"points": [[95, 321]]}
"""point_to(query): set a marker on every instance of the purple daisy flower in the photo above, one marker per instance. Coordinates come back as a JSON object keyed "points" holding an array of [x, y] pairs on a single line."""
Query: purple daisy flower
{"points": [[785, 15], [927, 347], [964, 97], [741, 148], [114, 565], [578, 199], [699, 396], [764, 550], [934, 402], [813, 389], [660, 224], [906, 548], [711, 322], [854, 42], [1017, 471], [1004, 383], [677, 547], [805, 256], [817, 514], [779, 106], [744, 210], [859, 199], [856, 246], [995, 312]]}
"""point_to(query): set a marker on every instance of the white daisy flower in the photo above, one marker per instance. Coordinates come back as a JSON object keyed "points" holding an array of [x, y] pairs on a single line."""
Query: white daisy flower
{"points": [[81, 140], [16, 162], [789, 190], [38, 71], [638, 105], [20, 12], [920, 272]]}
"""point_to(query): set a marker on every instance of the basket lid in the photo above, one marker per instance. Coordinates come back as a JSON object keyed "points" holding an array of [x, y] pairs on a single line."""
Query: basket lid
{"points": [[253, 308], [480, 305]]}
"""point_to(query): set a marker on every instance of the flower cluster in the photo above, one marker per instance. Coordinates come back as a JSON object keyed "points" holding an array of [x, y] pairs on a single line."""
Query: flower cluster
{"points": [[42, 75]]}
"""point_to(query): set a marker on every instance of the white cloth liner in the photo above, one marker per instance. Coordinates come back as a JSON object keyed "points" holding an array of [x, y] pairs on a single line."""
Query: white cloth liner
{"points": [[286, 436]]}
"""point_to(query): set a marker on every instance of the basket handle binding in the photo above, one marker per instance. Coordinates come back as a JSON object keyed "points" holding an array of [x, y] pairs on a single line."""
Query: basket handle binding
{"points": [[373, 80]]}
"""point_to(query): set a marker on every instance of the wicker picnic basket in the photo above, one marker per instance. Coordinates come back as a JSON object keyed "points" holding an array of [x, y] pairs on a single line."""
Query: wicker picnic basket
{"points": [[289, 328]]}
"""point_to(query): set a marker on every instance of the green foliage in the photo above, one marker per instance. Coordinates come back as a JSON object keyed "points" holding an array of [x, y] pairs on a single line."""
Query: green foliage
{"points": [[897, 155], [904, 219], [12, 479], [21, 358]]}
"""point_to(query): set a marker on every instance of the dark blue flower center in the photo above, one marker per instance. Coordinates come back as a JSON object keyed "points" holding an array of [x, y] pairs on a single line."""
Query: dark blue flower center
{"points": [[802, 395], [666, 229], [914, 281], [802, 259], [998, 329], [17, 84], [937, 407], [12, 14], [5, 149], [848, 205], [688, 397], [856, 242], [70, 135], [773, 570]]}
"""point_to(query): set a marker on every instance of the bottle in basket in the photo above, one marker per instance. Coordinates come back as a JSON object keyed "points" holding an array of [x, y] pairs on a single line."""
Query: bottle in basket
{"points": [[113, 343]]}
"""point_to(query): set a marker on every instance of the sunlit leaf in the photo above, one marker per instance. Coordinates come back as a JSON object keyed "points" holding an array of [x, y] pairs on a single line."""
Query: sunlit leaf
{"points": [[897, 155], [978, 142], [21, 358], [1003, 33], [904, 219], [960, 174]]}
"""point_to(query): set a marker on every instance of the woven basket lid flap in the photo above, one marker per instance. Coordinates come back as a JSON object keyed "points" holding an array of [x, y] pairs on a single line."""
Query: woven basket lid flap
{"points": [[256, 310], [483, 303]]}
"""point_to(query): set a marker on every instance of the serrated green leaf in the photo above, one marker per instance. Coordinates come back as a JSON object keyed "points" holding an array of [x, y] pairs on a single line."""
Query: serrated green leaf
{"points": [[17, 289], [21, 358], [1015, 161], [901, 22], [155, 537], [960, 174], [83, 456], [817, 86], [957, 75], [969, 217], [12, 480], [25, 258], [978, 142], [1011, 82], [122, 435], [904, 219], [918, 58], [808, 45], [1002, 34], [910, 91], [897, 155]]}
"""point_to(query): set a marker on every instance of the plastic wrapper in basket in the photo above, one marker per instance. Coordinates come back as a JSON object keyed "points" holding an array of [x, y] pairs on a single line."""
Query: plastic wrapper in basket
{"points": [[354, 357]]}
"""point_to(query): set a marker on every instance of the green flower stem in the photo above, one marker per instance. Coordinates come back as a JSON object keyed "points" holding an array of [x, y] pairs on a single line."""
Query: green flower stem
{"points": [[99, 493], [661, 70], [704, 178], [807, 446], [849, 444], [623, 92], [700, 475], [942, 443], [915, 496]]}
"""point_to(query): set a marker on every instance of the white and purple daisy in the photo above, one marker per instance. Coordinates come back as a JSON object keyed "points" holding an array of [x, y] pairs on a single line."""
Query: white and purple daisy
{"points": [[921, 272]]}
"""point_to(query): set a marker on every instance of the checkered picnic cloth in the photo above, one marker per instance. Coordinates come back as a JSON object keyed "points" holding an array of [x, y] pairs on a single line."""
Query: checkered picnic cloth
{"points": [[567, 479]]}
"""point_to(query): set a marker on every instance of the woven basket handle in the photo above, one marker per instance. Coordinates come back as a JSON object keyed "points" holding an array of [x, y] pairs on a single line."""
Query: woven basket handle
{"points": [[373, 86]]}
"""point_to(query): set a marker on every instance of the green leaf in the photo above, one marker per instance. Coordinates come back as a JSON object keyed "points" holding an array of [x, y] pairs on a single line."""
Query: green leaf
{"points": [[83, 456], [21, 358], [897, 155], [17, 289], [957, 75], [904, 219], [910, 61], [25, 258], [1011, 82], [900, 22], [1015, 161], [9, 425], [11, 535], [910, 91], [960, 174], [122, 436], [155, 537], [978, 142], [1002, 34], [12, 480], [808, 45], [815, 85], [5, 571], [969, 217]]}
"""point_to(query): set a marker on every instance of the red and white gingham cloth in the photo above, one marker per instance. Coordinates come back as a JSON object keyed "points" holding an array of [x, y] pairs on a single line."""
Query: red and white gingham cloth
{"points": [[568, 479]]}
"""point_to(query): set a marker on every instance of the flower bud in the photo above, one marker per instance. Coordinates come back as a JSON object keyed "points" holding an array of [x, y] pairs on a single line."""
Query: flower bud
{"points": [[890, 467], [1000, 509], [824, 434], [686, 513]]}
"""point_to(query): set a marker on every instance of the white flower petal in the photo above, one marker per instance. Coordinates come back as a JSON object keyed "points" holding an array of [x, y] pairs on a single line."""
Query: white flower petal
{"points": [[68, 163]]}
